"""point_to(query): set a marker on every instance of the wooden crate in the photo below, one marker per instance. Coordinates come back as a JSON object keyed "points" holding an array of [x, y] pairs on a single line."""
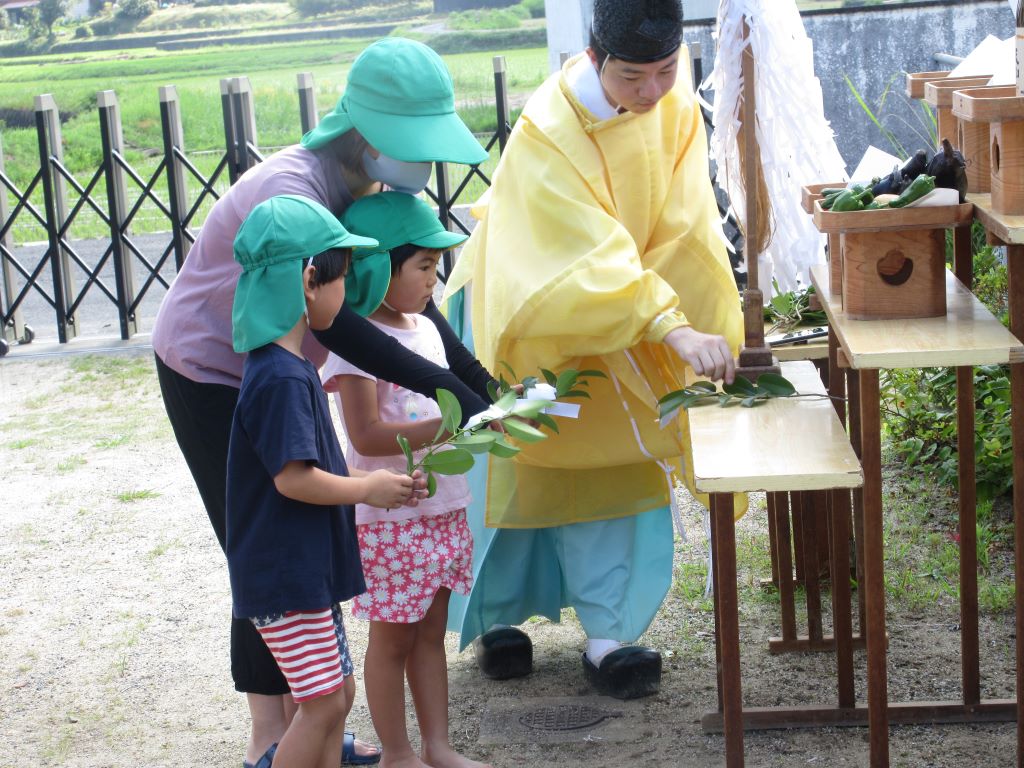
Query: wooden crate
{"points": [[893, 260], [1003, 111]]}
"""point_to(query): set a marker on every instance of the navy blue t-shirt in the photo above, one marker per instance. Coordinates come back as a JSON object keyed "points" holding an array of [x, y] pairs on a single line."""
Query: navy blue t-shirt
{"points": [[283, 554]]}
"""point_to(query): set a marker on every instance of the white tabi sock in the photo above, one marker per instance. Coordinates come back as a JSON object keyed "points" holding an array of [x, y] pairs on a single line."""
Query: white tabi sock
{"points": [[598, 649]]}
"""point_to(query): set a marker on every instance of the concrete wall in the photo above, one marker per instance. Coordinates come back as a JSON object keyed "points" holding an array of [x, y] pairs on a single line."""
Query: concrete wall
{"points": [[874, 46]]}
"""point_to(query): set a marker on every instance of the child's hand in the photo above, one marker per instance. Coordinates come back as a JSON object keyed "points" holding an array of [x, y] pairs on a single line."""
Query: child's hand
{"points": [[419, 488], [388, 489]]}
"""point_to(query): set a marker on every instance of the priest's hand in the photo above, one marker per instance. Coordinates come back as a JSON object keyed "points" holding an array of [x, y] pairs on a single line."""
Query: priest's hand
{"points": [[708, 355]]}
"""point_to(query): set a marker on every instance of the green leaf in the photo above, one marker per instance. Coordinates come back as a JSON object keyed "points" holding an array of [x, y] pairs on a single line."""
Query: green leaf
{"points": [[528, 409], [503, 450], [741, 387], [591, 373], [748, 402], [506, 401], [522, 431], [775, 384], [451, 462], [431, 484], [707, 386], [529, 382], [493, 391], [451, 411], [566, 380], [547, 421], [403, 443], [476, 442], [576, 393], [549, 376], [508, 368]]}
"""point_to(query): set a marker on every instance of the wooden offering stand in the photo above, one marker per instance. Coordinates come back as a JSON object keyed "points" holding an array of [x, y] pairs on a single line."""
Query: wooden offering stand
{"points": [[808, 196], [1003, 111], [916, 81], [893, 260], [939, 94]]}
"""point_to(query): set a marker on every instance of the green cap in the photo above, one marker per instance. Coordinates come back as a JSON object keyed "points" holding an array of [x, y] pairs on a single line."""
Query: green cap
{"points": [[400, 97], [394, 219], [276, 236]]}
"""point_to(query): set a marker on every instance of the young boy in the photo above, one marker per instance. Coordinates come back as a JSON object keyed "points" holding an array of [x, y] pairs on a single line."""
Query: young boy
{"points": [[291, 544]]}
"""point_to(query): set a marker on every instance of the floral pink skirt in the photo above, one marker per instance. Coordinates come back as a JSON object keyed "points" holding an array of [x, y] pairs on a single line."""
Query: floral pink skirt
{"points": [[405, 562]]}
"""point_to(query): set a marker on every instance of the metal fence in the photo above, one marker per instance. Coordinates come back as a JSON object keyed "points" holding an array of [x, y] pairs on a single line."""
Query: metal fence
{"points": [[125, 272]]}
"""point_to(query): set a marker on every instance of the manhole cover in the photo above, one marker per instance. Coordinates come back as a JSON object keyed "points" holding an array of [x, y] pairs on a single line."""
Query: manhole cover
{"points": [[565, 717]]}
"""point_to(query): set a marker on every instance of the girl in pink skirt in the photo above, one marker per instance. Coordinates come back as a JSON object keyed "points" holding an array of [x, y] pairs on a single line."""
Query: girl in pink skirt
{"points": [[412, 558]]}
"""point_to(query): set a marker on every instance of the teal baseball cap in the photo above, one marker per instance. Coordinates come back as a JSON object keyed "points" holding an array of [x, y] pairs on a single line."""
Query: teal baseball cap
{"points": [[275, 238], [400, 97], [392, 219]]}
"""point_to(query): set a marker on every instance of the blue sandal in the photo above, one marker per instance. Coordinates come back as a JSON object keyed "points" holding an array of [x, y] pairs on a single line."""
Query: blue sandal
{"points": [[265, 761], [349, 755]]}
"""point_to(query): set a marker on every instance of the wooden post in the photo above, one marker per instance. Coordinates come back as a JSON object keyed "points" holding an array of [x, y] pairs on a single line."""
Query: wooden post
{"points": [[228, 119], [444, 212], [112, 139], [55, 201], [244, 119], [12, 328], [308, 117], [1015, 277], [501, 102], [755, 357], [177, 181]]}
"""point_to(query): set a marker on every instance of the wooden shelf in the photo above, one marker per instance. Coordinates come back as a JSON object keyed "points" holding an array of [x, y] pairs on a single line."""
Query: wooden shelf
{"points": [[782, 445], [1006, 228], [916, 81], [967, 334], [939, 93]]}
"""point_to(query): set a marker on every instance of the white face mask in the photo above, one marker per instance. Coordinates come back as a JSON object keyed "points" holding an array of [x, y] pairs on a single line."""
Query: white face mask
{"points": [[401, 176]]}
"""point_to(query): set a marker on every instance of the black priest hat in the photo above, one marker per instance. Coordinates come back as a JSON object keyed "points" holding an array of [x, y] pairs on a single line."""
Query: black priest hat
{"points": [[638, 31]]}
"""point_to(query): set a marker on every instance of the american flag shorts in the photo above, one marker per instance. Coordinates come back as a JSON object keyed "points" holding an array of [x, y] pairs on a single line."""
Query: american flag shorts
{"points": [[310, 649]]}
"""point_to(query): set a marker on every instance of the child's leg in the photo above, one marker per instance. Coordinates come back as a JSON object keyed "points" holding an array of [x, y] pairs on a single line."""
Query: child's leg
{"points": [[427, 669], [384, 678], [314, 737]]}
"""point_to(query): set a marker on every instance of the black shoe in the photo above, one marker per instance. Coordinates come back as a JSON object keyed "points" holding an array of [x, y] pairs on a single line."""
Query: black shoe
{"points": [[626, 673], [504, 653]]}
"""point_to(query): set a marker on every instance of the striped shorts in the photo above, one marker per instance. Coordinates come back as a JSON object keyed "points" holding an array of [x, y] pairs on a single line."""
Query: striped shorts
{"points": [[310, 648]]}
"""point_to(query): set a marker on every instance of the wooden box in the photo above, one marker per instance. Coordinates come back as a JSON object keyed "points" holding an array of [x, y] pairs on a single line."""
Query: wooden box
{"points": [[939, 94], [894, 260], [1003, 111], [916, 81]]}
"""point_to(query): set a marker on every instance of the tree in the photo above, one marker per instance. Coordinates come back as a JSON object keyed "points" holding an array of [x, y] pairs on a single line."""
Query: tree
{"points": [[50, 12], [136, 10]]}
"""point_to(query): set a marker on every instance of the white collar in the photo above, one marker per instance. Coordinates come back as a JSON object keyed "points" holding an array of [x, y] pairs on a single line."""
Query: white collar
{"points": [[585, 83]]}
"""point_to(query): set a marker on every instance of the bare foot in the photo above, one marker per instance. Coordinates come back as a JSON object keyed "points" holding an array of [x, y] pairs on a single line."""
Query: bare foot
{"points": [[365, 749], [446, 757], [409, 760]]}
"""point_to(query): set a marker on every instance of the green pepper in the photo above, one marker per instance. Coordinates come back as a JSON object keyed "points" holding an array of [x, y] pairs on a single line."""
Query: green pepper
{"points": [[918, 188], [853, 199]]}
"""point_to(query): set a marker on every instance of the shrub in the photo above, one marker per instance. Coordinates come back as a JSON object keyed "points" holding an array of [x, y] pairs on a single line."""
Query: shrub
{"points": [[534, 7], [135, 10], [504, 18], [920, 404], [5, 20], [82, 31]]}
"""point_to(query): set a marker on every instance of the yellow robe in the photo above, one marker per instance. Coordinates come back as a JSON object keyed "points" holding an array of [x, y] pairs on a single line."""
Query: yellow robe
{"points": [[598, 237]]}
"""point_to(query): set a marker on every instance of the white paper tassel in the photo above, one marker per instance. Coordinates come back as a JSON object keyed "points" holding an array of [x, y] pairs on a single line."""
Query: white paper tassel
{"points": [[796, 142]]}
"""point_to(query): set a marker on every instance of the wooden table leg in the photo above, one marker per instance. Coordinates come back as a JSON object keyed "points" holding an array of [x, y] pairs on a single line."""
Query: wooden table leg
{"points": [[729, 627], [1015, 267], [779, 507], [874, 569], [842, 623], [969, 661], [853, 387], [717, 600], [812, 571]]}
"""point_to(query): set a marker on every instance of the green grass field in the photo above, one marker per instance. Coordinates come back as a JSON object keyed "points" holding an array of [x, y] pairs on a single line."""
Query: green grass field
{"points": [[136, 75]]}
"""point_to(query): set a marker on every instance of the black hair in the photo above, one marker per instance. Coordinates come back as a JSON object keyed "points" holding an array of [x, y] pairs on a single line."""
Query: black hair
{"points": [[329, 265], [599, 52], [347, 150], [402, 253]]}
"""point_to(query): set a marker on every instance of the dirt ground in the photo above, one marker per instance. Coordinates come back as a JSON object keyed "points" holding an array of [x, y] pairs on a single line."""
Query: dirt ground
{"points": [[114, 608]]}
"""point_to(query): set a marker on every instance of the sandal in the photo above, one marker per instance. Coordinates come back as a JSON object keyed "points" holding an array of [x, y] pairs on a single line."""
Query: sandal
{"points": [[265, 761], [349, 756]]}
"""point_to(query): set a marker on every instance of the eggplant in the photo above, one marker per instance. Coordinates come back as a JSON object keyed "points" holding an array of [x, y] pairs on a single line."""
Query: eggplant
{"points": [[890, 185], [949, 169], [915, 166]]}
